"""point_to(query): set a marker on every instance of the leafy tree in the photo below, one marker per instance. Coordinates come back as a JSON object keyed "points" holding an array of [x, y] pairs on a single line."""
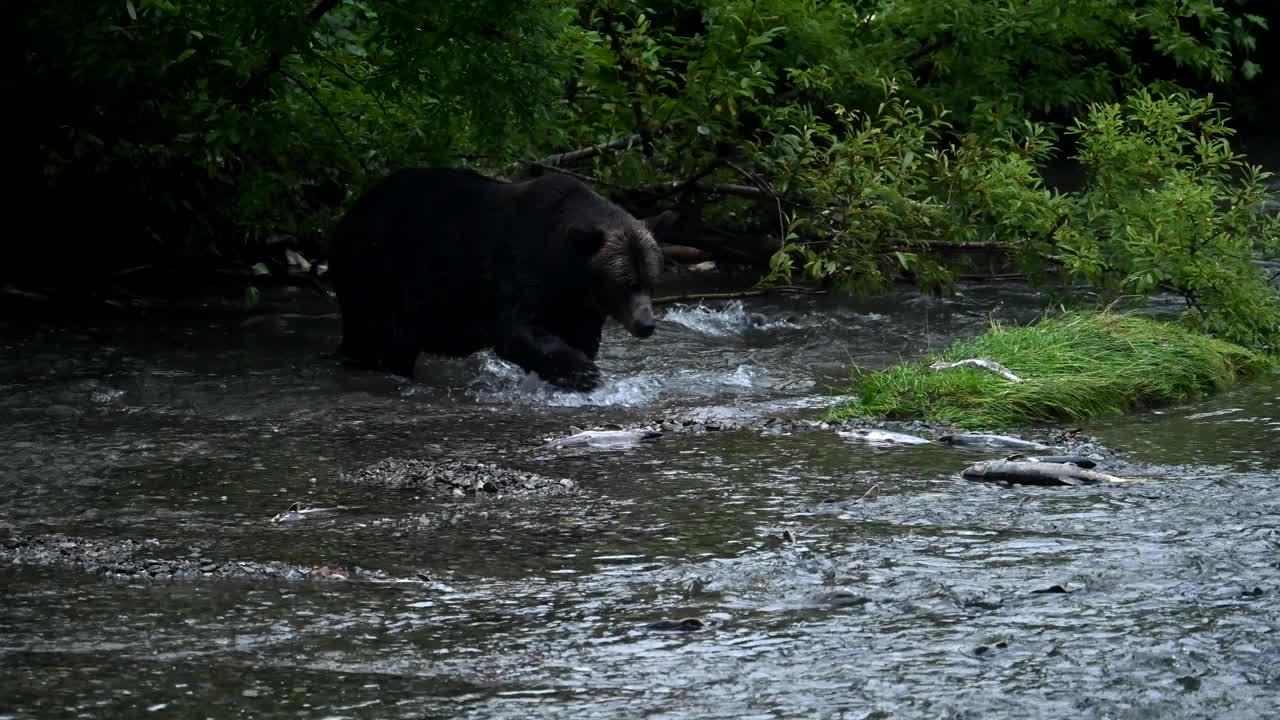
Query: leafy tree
{"points": [[845, 141], [184, 128], [1170, 206]]}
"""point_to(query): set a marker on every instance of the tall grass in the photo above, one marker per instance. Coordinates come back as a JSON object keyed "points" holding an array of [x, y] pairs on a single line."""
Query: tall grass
{"points": [[1074, 366]]}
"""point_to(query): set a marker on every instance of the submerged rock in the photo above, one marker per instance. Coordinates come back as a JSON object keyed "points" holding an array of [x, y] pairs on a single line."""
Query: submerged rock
{"points": [[456, 478], [841, 599], [683, 625], [142, 559], [724, 420]]}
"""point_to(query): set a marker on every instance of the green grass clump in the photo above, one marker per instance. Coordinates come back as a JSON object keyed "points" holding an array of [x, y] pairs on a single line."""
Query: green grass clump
{"points": [[1075, 366]]}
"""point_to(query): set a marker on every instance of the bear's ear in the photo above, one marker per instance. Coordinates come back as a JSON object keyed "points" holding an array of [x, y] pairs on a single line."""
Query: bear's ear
{"points": [[661, 223], [586, 241]]}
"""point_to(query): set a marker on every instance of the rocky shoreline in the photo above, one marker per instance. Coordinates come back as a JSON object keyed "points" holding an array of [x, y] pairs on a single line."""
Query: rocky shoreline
{"points": [[150, 559]]}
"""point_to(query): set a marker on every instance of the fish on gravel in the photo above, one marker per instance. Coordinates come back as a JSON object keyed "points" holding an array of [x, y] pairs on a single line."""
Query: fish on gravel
{"points": [[882, 437], [1036, 473], [607, 439], [987, 440]]}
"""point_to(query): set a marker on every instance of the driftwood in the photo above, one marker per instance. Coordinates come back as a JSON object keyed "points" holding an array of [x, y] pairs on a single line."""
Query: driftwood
{"points": [[685, 254]]}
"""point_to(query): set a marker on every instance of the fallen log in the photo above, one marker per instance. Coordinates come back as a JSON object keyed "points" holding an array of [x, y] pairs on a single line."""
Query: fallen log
{"points": [[685, 254]]}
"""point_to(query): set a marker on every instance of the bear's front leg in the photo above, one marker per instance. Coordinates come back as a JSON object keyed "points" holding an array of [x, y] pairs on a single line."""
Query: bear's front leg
{"points": [[554, 360]]}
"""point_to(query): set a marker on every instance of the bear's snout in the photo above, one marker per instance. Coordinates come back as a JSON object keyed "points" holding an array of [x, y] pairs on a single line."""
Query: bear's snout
{"points": [[639, 319], [643, 328]]}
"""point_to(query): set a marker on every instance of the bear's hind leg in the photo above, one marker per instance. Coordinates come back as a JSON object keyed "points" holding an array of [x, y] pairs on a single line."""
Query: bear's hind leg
{"points": [[374, 343], [359, 344], [400, 345]]}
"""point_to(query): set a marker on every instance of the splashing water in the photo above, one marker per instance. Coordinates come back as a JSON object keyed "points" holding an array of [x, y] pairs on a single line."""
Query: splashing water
{"points": [[732, 318]]}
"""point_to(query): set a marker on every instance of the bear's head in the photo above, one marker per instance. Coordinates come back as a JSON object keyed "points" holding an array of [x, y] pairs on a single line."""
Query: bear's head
{"points": [[625, 264]]}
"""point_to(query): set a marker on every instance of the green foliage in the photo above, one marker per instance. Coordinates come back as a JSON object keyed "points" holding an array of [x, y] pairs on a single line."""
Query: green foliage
{"points": [[212, 123], [871, 176], [888, 188], [1075, 366], [1171, 207], [847, 140], [875, 132], [998, 62]]}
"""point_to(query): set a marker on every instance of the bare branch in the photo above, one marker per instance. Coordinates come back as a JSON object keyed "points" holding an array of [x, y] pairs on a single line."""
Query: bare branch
{"points": [[764, 184], [694, 297], [590, 151], [713, 188], [584, 178]]}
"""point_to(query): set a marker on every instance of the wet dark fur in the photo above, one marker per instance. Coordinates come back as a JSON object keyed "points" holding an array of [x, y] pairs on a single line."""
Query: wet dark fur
{"points": [[449, 262]]}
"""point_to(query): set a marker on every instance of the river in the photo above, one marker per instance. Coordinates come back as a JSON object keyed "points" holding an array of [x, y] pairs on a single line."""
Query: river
{"points": [[900, 590]]}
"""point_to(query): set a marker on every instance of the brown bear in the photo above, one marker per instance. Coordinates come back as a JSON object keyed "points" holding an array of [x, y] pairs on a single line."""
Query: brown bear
{"points": [[450, 262]]}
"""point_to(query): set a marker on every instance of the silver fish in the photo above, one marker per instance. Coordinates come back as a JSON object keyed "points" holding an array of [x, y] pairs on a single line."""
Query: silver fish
{"points": [[991, 365], [1078, 460], [882, 437], [297, 513], [609, 439], [1036, 473], [985, 440]]}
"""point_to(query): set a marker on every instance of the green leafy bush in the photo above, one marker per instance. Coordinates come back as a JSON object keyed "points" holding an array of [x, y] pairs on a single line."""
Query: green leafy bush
{"points": [[1170, 207]]}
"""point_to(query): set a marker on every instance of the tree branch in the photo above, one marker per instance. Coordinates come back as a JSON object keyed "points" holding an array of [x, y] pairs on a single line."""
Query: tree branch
{"points": [[327, 113], [584, 153], [563, 171], [678, 187], [377, 100], [668, 188], [633, 82], [765, 185], [258, 81]]}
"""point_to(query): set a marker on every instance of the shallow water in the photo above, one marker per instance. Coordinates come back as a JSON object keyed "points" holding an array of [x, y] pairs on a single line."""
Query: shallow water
{"points": [[908, 592]]}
